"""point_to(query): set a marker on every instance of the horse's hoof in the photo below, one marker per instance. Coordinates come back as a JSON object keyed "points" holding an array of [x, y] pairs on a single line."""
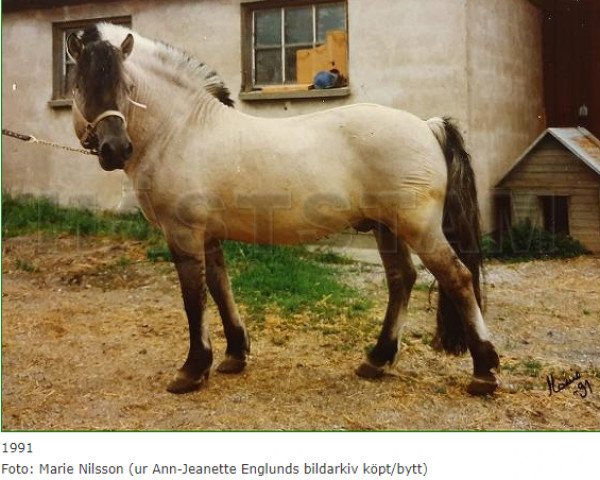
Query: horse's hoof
{"points": [[231, 365], [368, 370], [483, 385], [184, 382]]}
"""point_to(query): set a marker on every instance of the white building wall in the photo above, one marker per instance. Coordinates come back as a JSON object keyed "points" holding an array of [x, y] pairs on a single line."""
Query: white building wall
{"points": [[479, 61]]}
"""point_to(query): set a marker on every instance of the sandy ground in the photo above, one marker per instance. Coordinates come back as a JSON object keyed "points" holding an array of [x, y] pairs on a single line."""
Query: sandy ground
{"points": [[92, 333]]}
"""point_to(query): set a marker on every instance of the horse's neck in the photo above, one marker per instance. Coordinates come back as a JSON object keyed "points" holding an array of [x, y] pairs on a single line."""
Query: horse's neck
{"points": [[171, 109]]}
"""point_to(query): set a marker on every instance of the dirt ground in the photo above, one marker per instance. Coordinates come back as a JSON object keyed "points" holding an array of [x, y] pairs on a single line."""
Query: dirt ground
{"points": [[92, 333]]}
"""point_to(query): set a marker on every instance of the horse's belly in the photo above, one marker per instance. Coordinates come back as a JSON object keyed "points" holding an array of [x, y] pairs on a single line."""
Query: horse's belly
{"points": [[277, 226], [277, 238]]}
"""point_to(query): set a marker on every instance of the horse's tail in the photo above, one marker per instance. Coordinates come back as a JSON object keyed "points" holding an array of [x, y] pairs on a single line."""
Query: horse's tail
{"points": [[461, 224]]}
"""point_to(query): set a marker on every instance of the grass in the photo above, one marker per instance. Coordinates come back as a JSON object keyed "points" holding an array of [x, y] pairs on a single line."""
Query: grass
{"points": [[25, 265], [327, 256], [532, 367], [123, 262], [292, 279], [158, 252], [289, 280], [529, 367], [26, 215]]}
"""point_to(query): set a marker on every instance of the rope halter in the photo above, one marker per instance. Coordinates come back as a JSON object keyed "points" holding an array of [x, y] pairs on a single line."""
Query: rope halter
{"points": [[90, 127]]}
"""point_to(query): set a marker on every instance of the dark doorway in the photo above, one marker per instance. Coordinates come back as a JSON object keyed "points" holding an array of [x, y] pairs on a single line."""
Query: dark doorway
{"points": [[572, 63], [555, 211]]}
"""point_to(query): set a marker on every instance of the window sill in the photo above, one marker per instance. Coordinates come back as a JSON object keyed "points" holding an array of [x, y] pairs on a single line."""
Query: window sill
{"points": [[300, 94], [60, 103]]}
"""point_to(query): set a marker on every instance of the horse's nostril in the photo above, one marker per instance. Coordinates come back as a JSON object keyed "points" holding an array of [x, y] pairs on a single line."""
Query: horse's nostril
{"points": [[106, 150], [128, 150]]}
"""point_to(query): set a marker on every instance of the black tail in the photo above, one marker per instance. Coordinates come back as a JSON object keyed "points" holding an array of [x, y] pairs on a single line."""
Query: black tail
{"points": [[462, 228]]}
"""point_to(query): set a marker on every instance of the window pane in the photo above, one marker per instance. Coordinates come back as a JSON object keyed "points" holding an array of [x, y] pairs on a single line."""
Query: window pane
{"points": [[330, 17], [290, 63], [298, 25], [268, 27], [268, 67], [69, 64], [67, 86]]}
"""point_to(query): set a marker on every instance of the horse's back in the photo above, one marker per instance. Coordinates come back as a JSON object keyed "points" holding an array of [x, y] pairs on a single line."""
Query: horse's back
{"points": [[387, 149]]}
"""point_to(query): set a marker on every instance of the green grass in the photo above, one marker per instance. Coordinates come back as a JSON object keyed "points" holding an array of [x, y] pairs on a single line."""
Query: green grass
{"points": [[532, 367], [123, 262], [290, 280], [26, 215], [158, 252], [327, 256], [528, 366]]}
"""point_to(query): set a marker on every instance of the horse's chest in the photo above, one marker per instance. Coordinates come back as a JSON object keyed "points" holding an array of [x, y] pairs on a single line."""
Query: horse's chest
{"points": [[148, 193]]}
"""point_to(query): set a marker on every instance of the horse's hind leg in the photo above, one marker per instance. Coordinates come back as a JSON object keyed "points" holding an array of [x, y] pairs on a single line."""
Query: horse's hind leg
{"points": [[456, 280], [238, 342], [400, 276]]}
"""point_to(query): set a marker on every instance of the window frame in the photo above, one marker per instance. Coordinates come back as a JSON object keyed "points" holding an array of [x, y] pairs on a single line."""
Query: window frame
{"points": [[61, 99], [250, 90]]}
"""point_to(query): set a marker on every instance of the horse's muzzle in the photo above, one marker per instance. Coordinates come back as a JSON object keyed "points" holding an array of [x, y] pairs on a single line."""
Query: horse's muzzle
{"points": [[114, 154]]}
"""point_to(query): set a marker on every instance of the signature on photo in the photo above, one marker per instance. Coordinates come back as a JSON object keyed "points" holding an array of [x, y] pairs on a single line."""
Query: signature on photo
{"points": [[583, 387]]}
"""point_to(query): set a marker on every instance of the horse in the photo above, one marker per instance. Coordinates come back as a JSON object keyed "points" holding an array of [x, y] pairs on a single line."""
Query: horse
{"points": [[204, 172]]}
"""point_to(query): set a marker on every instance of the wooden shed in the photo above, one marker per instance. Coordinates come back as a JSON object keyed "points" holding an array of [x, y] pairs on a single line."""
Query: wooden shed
{"points": [[555, 184]]}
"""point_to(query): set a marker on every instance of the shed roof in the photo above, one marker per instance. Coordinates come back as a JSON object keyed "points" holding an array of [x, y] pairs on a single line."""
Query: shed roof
{"points": [[578, 140]]}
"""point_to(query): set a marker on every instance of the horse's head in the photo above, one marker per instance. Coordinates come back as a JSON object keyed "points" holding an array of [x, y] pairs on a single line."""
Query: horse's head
{"points": [[99, 96]]}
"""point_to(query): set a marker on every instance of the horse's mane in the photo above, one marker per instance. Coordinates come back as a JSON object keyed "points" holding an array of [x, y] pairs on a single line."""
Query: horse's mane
{"points": [[183, 64]]}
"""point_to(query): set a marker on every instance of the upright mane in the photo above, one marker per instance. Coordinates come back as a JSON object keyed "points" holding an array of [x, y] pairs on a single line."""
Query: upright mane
{"points": [[185, 66]]}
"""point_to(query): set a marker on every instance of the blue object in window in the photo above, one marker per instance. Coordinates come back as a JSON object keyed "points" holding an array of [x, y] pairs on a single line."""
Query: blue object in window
{"points": [[328, 79]]}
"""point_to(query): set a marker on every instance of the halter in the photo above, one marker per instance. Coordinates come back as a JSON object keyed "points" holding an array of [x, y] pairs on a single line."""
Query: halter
{"points": [[90, 127]]}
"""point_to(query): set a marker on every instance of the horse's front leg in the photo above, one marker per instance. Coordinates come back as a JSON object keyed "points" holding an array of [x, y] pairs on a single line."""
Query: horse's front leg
{"points": [[238, 342], [191, 271]]}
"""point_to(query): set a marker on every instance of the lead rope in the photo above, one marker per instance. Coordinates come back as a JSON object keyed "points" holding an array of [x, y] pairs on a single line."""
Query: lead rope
{"points": [[32, 139], [85, 151]]}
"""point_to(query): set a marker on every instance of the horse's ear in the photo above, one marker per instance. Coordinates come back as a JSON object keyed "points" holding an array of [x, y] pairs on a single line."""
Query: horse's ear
{"points": [[74, 46], [127, 45]]}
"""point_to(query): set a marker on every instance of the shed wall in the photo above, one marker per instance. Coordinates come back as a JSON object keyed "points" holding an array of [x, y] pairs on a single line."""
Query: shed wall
{"points": [[551, 169]]}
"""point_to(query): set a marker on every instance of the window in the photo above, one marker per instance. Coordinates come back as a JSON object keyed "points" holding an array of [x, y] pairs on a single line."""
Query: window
{"points": [[287, 43], [555, 210], [63, 64], [502, 207]]}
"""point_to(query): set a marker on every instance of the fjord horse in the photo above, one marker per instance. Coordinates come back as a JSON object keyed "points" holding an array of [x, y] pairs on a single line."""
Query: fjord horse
{"points": [[204, 172]]}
